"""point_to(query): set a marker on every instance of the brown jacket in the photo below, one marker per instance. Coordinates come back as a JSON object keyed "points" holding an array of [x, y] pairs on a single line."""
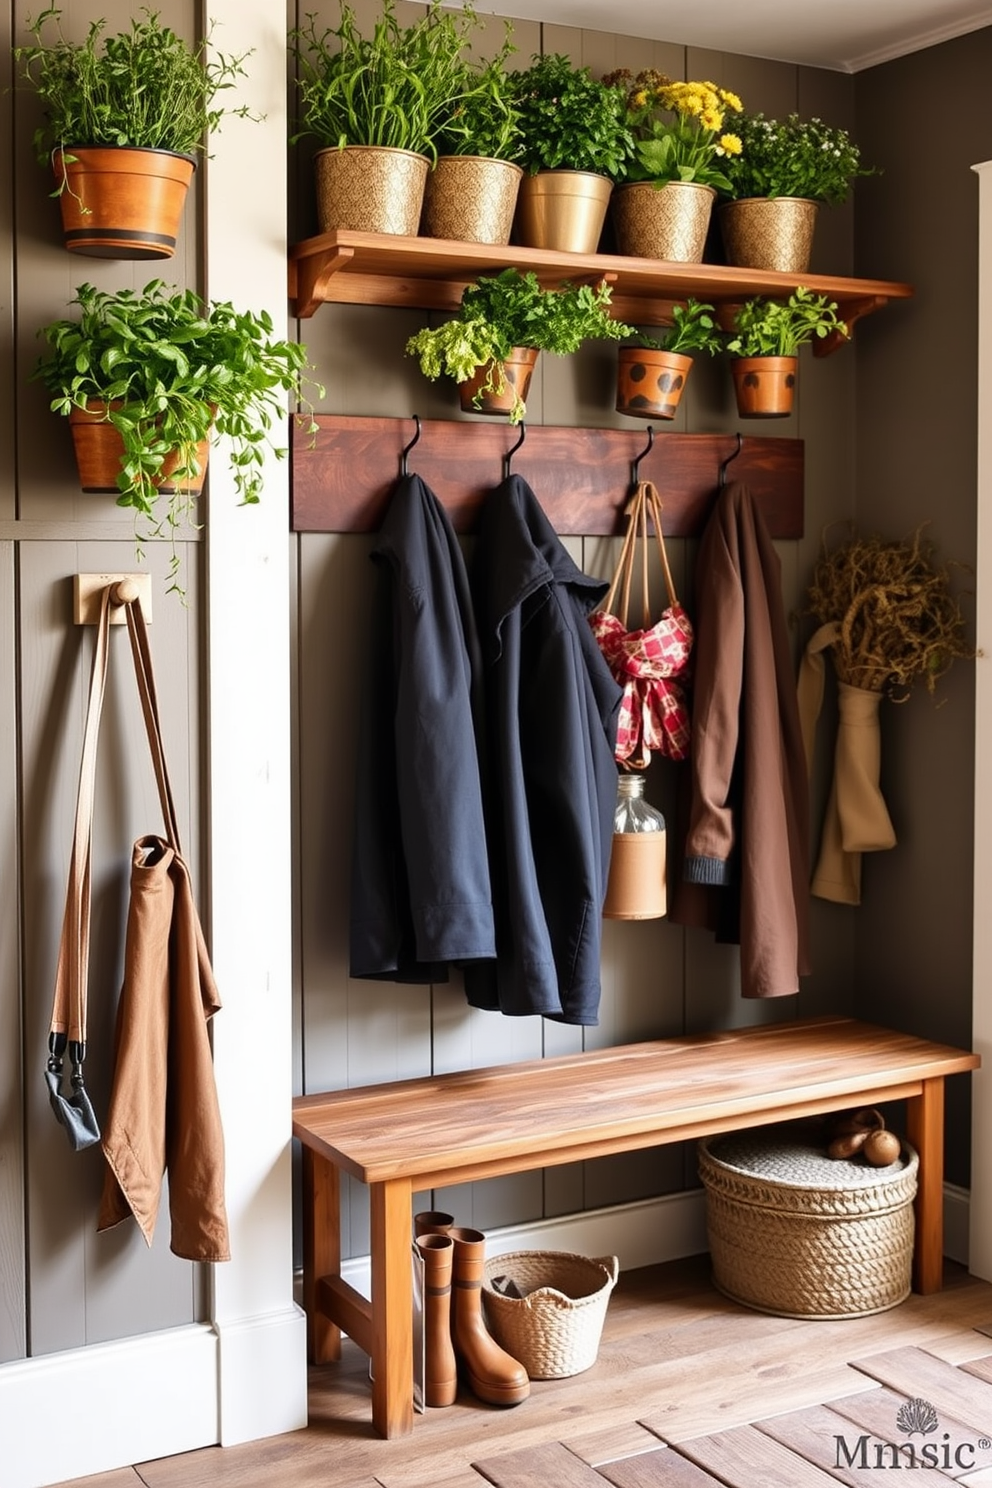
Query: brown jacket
{"points": [[164, 1112], [745, 873]]}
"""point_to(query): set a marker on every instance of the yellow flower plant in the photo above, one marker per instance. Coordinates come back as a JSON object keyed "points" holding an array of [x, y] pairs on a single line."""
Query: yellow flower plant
{"points": [[679, 128]]}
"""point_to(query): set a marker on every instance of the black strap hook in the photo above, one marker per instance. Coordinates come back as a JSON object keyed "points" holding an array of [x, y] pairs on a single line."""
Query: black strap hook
{"points": [[635, 464], [730, 459], [408, 447], [507, 458]]}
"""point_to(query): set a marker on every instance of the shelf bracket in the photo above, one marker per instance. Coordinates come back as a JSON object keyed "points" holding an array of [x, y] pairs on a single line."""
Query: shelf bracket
{"points": [[314, 272], [851, 311]]}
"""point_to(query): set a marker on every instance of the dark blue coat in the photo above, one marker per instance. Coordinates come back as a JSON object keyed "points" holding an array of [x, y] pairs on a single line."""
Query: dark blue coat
{"points": [[420, 888], [551, 707]]}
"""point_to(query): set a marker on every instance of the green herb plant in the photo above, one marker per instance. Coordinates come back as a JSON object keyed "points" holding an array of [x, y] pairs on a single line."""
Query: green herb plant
{"points": [[397, 87], [508, 310], [144, 87], [170, 371], [570, 120], [678, 128], [483, 118], [693, 328], [775, 328], [794, 157]]}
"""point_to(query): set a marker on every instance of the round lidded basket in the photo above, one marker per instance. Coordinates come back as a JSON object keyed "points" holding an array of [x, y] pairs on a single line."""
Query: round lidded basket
{"points": [[798, 1234], [553, 1329]]}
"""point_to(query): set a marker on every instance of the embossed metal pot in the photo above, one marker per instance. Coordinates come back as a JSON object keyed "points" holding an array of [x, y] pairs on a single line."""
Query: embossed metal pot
{"points": [[764, 385], [369, 188], [763, 232], [667, 222], [649, 381], [471, 199], [122, 202], [517, 372], [563, 210]]}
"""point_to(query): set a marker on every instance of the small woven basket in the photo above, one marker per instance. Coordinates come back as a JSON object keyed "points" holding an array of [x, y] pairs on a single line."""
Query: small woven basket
{"points": [[795, 1233], [554, 1329]]}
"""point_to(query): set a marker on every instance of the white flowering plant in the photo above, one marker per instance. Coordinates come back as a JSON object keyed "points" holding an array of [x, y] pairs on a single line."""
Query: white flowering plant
{"points": [[678, 128], [794, 157]]}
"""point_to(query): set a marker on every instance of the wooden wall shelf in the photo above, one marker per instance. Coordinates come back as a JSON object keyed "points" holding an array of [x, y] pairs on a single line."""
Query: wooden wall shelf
{"points": [[342, 478], [431, 273]]}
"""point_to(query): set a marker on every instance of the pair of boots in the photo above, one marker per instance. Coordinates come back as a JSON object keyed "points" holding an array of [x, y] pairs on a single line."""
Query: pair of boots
{"points": [[454, 1327]]}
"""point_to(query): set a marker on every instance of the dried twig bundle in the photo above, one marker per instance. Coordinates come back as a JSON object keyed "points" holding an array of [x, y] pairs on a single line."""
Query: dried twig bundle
{"points": [[898, 620]]}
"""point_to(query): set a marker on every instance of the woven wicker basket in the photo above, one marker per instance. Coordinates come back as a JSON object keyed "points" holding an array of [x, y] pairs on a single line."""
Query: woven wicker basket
{"points": [[795, 1233], [554, 1329]]}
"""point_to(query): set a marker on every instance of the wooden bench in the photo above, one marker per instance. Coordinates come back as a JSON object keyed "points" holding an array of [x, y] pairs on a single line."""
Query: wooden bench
{"points": [[428, 1133]]}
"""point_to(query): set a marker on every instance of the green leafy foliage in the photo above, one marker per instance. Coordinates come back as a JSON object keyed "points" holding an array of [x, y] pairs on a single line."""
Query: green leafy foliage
{"points": [[794, 157], [172, 371], [569, 120], [484, 118], [773, 328], [398, 87], [144, 87], [693, 328], [508, 310]]}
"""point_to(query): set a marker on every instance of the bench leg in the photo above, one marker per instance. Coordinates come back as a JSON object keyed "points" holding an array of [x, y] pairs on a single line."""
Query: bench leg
{"points": [[392, 1308], [321, 1250], [925, 1130]]}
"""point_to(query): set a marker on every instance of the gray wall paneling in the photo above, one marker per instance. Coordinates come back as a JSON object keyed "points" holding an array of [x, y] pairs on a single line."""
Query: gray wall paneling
{"points": [[12, 1266]]}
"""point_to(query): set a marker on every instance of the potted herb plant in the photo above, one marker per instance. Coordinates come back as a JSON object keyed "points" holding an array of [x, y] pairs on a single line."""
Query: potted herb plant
{"points": [[490, 347], [471, 191], [146, 379], [375, 105], [765, 346], [785, 169], [125, 119], [662, 207], [576, 143], [652, 373]]}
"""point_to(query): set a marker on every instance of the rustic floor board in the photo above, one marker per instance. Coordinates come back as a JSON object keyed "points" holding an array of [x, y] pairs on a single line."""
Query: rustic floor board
{"points": [[662, 1468], [876, 1411], [537, 1467], [915, 1372], [625, 1440], [744, 1457], [831, 1442]]}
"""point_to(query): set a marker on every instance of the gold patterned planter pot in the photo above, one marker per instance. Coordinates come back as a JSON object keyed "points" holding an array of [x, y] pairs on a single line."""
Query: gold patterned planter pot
{"points": [[471, 199], [368, 188], [650, 382], [562, 210], [668, 222], [775, 233]]}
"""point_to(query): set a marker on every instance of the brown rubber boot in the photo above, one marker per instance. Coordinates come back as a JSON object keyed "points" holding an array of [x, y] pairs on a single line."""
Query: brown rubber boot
{"points": [[440, 1370], [490, 1372], [432, 1222]]}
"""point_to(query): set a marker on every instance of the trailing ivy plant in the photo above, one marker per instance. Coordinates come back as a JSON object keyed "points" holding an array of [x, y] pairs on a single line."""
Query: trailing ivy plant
{"points": [[145, 87], [775, 328], [169, 371], [511, 309]]}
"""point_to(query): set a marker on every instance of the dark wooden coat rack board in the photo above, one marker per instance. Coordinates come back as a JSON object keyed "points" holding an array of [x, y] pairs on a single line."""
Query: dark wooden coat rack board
{"points": [[344, 474]]}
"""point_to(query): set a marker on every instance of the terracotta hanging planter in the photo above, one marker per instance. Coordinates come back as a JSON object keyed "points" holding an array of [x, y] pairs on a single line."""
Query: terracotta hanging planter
{"points": [[667, 222], [517, 372], [471, 199], [769, 232], [100, 452], [121, 202], [369, 188], [650, 382], [764, 385], [563, 210]]}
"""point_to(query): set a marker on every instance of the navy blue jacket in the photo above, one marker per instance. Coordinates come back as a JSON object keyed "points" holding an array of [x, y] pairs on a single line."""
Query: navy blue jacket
{"points": [[420, 887], [551, 787]]}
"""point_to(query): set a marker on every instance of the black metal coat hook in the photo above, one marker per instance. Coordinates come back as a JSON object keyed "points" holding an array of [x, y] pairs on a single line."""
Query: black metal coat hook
{"points": [[635, 464], [730, 459], [408, 447], [507, 458]]}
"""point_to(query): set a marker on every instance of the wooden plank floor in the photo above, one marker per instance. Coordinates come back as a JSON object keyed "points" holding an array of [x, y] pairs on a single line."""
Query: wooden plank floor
{"points": [[689, 1391]]}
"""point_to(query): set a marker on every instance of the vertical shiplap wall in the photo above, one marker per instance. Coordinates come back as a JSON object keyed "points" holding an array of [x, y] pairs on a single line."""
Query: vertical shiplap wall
{"points": [[658, 979]]}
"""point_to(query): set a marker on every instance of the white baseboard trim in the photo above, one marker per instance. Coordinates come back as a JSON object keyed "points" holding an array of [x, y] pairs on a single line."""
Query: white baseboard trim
{"points": [[262, 1378]]}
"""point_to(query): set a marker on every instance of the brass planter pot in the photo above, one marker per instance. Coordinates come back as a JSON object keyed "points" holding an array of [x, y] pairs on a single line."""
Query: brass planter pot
{"points": [[765, 386], [369, 188], [562, 210], [517, 372], [769, 232], [650, 382], [669, 222], [99, 451], [471, 199], [122, 202]]}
